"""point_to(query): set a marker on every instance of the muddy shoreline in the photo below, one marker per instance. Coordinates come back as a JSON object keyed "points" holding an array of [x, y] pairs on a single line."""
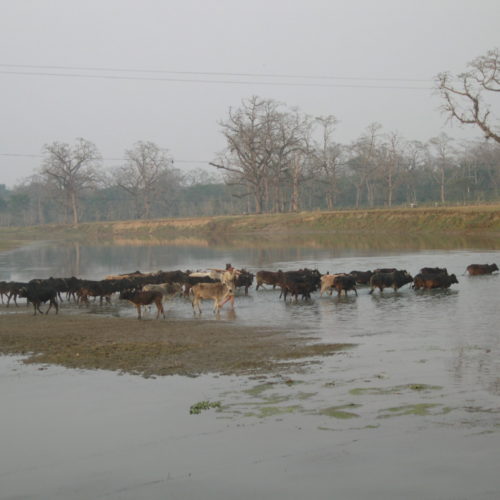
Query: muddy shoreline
{"points": [[155, 348]]}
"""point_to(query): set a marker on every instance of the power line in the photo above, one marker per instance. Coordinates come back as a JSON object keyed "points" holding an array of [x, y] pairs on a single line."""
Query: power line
{"points": [[210, 81], [28, 155], [212, 73]]}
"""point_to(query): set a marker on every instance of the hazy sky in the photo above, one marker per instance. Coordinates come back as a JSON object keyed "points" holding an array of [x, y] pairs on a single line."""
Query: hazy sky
{"points": [[164, 70]]}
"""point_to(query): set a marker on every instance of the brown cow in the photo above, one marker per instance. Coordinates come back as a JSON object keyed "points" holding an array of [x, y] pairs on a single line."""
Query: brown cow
{"points": [[217, 292], [477, 269], [268, 278], [433, 280], [140, 298]]}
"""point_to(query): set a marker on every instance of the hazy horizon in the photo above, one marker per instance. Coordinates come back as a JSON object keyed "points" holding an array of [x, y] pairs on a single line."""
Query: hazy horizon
{"points": [[122, 71]]}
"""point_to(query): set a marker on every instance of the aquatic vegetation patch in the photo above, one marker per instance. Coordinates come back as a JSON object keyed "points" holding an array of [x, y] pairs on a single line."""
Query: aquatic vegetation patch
{"points": [[273, 411], [421, 409], [340, 411], [197, 408], [257, 390]]}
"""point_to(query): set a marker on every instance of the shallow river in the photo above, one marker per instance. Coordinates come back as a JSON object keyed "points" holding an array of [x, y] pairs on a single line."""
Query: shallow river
{"points": [[411, 412]]}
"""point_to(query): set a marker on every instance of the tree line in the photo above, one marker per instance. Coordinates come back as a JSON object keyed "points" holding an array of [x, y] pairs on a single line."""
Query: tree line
{"points": [[277, 159]]}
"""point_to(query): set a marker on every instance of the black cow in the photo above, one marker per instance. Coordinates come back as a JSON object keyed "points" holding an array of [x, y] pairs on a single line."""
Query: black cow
{"points": [[39, 294], [395, 279], [244, 279], [344, 282], [12, 290], [362, 277], [302, 282], [4, 290]]}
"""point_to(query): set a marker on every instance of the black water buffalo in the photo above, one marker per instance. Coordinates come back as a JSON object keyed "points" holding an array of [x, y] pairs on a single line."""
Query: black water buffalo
{"points": [[344, 282], [433, 270], [244, 280], [433, 280], [302, 282], [395, 280], [12, 289], [477, 269], [362, 277], [39, 294]]}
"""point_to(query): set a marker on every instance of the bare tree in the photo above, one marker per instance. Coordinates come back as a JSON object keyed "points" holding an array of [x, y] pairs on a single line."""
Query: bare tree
{"points": [[71, 169], [391, 164], [291, 153], [246, 159], [328, 157], [466, 95], [363, 163], [141, 176], [414, 164], [442, 161], [262, 143]]}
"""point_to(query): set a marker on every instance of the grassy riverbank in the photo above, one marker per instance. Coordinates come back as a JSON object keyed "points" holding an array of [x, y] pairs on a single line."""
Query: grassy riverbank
{"points": [[463, 219]]}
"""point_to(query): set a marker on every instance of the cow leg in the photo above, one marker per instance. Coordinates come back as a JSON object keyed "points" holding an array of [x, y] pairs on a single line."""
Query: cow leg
{"points": [[196, 303], [52, 303], [159, 309], [216, 306], [355, 291], [138, 307]]}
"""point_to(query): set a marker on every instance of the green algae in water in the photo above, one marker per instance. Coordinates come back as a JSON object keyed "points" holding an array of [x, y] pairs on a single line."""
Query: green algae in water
{"points": [[273, 411], [380, 391], [339, 411], [259, 389], [421, 409], [197, 408]]}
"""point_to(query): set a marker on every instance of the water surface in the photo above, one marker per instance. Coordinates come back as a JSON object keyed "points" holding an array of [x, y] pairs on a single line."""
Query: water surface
{"points": [[412, 412]]}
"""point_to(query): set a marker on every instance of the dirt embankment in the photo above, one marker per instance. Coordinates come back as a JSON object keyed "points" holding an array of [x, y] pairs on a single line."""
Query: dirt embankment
{"points": [[151, 347]]}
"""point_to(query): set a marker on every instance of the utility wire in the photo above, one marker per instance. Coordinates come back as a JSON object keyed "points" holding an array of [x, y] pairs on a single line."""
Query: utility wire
{"points": [[225, 82], [212, 73], [27, 155]]}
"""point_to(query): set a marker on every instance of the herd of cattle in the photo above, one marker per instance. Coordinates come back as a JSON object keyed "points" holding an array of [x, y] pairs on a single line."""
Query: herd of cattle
{"points": [[154, 288]]}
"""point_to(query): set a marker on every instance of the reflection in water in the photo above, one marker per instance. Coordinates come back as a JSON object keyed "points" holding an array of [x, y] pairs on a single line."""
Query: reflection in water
{"points": [[454, 319], [361, 241]]}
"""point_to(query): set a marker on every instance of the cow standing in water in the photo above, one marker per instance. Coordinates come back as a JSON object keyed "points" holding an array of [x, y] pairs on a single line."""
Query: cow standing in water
{"points": [[218, 292], [478, 269], [140, 298], [394, 280], [433, 280]]}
